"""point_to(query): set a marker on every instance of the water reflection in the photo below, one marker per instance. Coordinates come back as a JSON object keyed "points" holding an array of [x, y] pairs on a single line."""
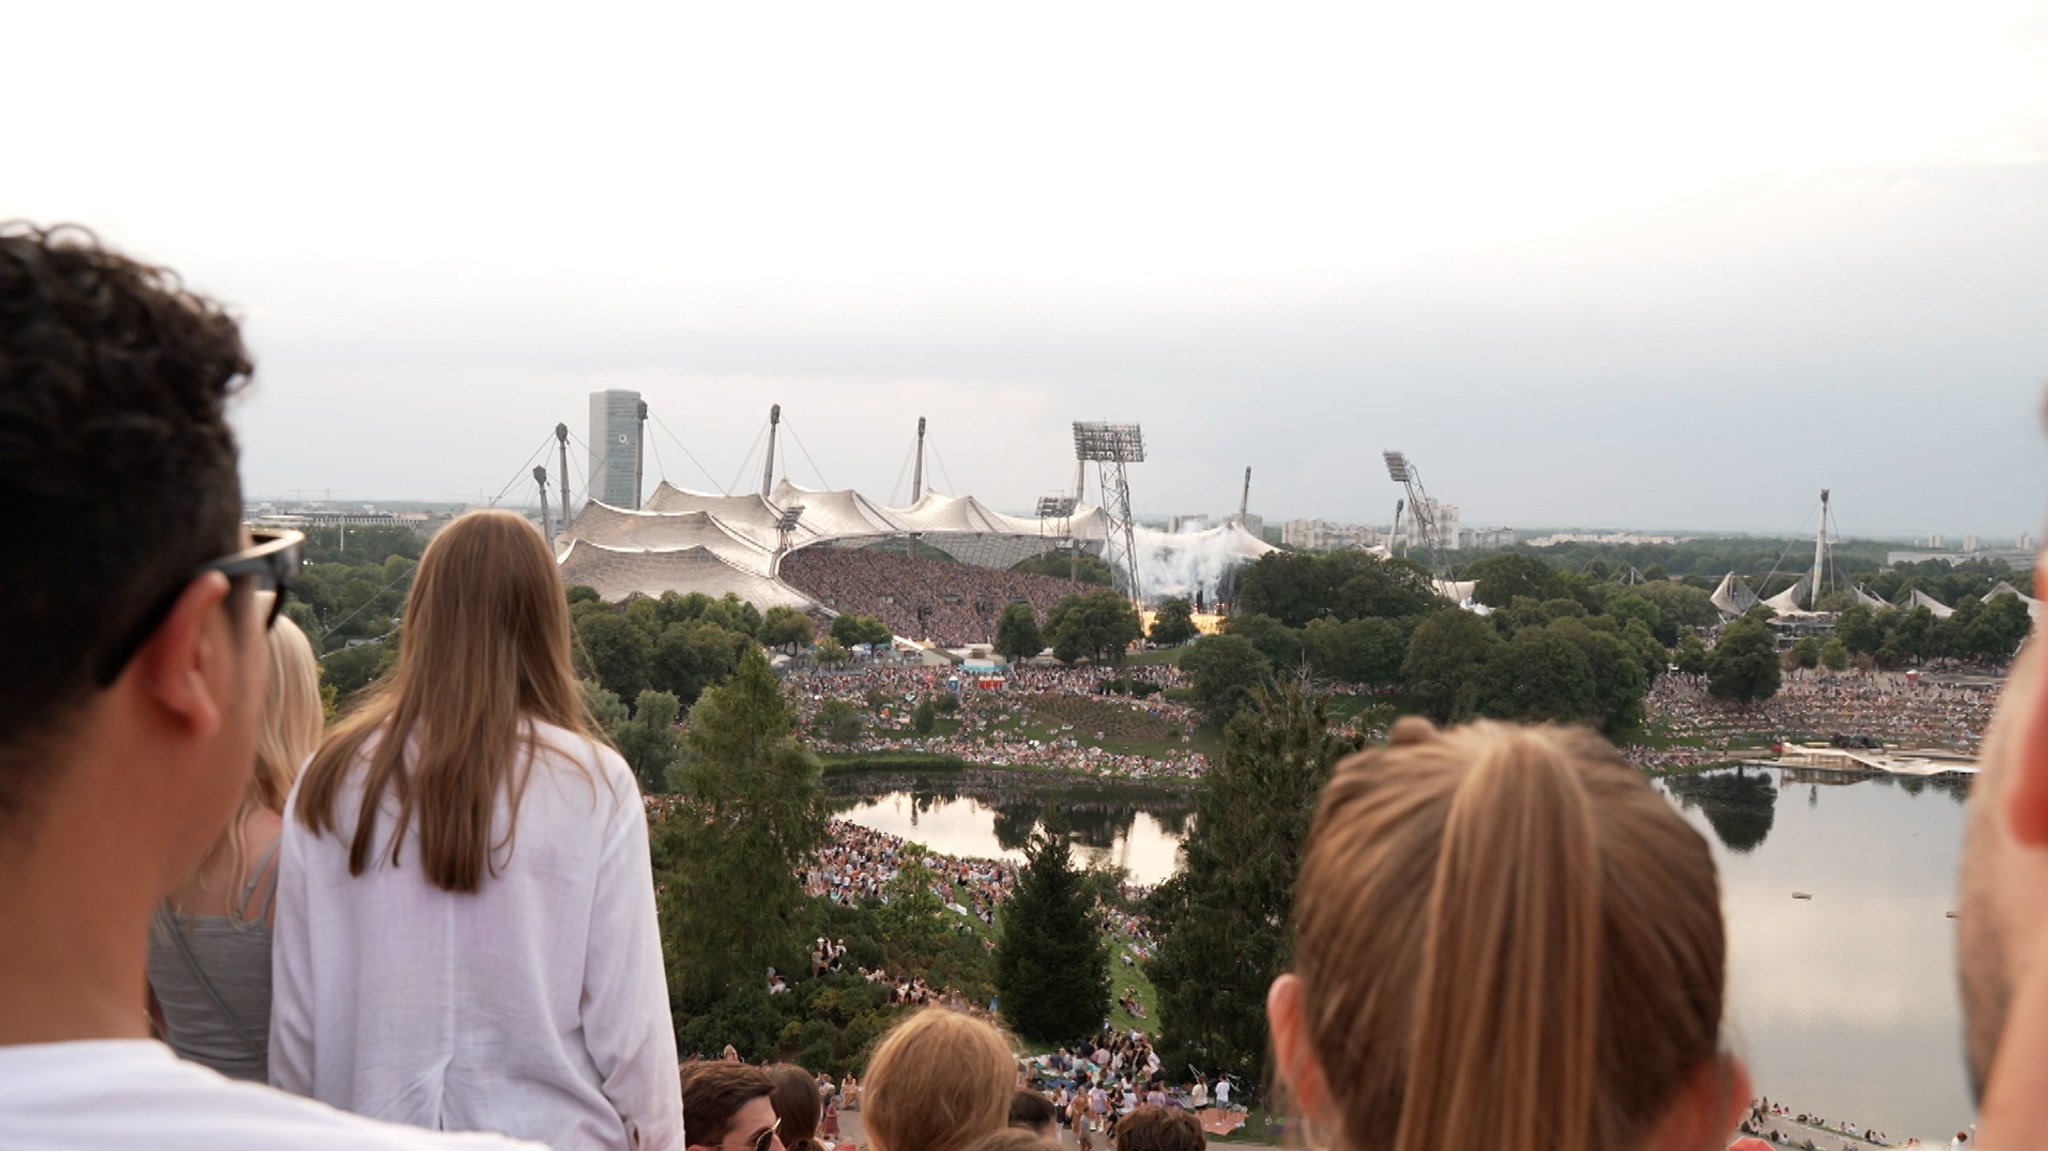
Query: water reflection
{"points": [[1846, 1003], [1739, 805], [994, 814]]}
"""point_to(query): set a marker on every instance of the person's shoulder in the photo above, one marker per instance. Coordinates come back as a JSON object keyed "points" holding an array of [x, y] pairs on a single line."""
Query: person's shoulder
{"points": [[135, 1093]]}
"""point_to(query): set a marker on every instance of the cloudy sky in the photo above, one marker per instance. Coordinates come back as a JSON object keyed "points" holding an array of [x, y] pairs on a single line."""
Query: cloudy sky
{"points": [[1607, 264]]}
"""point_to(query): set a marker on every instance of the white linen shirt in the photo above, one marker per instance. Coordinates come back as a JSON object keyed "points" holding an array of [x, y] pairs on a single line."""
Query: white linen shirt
{"points": [[536, 1007]]}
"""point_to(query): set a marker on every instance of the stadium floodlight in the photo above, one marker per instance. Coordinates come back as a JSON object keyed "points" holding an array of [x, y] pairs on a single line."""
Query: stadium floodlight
{"points": [[790, 515], [1109, 443], [1055, 507], [1397, 467]]}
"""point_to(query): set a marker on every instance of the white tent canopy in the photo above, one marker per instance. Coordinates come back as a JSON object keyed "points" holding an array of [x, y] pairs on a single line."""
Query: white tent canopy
{"points": [[1733, 596]]}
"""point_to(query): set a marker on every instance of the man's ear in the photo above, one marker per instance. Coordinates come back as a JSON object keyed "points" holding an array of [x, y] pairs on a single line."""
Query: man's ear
{"points": [[173, 665]]}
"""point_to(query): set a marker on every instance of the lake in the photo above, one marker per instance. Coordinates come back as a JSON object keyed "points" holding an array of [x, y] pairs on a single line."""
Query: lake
{"points": [[1844, 1004]]}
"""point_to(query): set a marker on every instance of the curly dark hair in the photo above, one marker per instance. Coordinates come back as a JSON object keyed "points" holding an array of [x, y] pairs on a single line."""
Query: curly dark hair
{"points": [[117, 468]]}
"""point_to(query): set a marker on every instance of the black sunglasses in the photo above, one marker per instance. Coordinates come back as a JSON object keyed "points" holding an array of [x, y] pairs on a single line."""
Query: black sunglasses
{"points": [[272, 561]]}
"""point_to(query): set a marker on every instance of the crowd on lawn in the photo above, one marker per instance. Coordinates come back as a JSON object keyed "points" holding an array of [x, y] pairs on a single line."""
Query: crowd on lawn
{"points": [[1917, 712]]}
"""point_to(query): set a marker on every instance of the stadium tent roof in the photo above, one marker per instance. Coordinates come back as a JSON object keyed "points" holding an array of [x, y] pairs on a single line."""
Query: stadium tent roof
{"points": [[1786, 603], [1864, 597], [748, 515], [936, 513], [2033, 605], [613, 527], [671, 544], [1733, 597], [617, 573], [1940, 609], [842, 514]]}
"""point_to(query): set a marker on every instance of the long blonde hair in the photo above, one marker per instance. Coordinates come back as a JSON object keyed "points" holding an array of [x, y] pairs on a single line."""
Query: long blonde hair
{"points": [[485, 646], [286, 736], [939, 1081], [1507, 941]]}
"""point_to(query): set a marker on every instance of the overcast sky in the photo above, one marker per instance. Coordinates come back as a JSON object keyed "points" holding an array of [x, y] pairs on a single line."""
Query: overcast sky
{"points": [[1628, 264]]}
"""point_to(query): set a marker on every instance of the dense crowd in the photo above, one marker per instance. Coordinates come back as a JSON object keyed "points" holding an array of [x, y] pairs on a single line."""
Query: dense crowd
{"points": [[1067, 704], [1888, 706], [948, 603]]}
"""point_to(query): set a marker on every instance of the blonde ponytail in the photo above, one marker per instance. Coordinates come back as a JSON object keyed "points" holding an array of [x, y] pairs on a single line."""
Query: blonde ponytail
{"points": [[1507, 941], [1502, 1045]]}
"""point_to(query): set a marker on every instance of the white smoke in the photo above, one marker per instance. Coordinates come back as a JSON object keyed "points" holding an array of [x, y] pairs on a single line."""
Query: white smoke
{"points": [[1194, 561]]}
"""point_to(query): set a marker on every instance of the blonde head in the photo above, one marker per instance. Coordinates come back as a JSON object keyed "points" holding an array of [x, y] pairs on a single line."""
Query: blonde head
{"points": [[286, 737], [939, 1081], [485, 647], [1506, 940], [292, 718]]}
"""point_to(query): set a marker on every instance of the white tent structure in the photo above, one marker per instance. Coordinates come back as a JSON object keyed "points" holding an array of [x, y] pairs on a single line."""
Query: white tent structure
{"points": [[2033, 605], [1786, 603], [1733, 596], [685, 541], [1938, 608]]}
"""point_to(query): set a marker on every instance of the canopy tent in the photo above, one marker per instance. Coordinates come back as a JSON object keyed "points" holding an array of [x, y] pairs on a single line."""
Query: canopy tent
{"points": [[2033, 605], [1787, 602], [1922, 599], [617, 573], [613, 527], [1733, 596]]}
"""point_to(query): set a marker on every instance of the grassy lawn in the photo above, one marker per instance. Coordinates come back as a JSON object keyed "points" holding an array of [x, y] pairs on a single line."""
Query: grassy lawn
{"points": [[1163, 657], [1133, 979]]}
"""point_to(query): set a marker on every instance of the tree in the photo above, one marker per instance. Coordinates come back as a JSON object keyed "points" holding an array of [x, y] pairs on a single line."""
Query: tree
{"points": [[1224, 672], [1175, 623], [1807, 652], [650, 741], [1275, 640], [1097, 625], [1504, 577], [832, 653], [1744, 665], [1860, 630], [912, 917], [692, 655], [1692, 656], [619, 650], [727, 859], [855, 630], [925, 717], [1446, 659], [1678, 607], [1052, 965], [786, 628], [1539, 676], [1834, 655], [838, 720], [1222, 922], [1017, 634], [1367, 651]]}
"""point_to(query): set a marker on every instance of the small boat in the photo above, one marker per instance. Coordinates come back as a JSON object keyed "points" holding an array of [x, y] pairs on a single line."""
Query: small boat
{"points": [[1802, 895]]}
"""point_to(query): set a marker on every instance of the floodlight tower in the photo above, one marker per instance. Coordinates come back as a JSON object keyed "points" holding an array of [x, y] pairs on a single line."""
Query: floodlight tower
{"points": [[1420, 513], [1112, 447]]}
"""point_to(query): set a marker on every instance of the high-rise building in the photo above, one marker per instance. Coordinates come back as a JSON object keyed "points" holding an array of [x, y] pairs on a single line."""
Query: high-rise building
{"points": [[614, 447]]}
